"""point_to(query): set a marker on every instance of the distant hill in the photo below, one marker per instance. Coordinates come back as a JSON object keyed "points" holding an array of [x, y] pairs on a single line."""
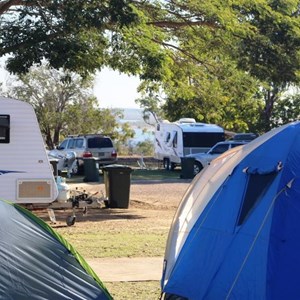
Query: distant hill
{"points": [[134, 116]]}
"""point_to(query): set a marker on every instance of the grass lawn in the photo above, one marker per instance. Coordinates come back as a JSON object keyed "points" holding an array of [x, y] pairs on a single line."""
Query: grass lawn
{"points": [[138, 174], [155, 174], [136, 237], [143, 290], [102, 242], [137, 232]]}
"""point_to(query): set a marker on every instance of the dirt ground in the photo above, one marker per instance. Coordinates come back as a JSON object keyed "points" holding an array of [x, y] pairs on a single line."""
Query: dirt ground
{"points": [[146, 199], [152, 193]]}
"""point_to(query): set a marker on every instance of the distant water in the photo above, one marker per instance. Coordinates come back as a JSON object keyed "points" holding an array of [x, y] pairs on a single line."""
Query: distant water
{"points": [[134, 116], [141, 136]]}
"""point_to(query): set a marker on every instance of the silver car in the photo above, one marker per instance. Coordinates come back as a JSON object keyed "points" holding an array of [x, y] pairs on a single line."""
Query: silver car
{"points": [[203, 159], [96, 146]]}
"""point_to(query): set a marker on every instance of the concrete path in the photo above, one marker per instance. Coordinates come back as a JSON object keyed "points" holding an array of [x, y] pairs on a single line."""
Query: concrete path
{"points": [[127, 269]]}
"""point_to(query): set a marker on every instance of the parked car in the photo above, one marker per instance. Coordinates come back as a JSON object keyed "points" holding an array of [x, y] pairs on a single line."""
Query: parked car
{"points": [[203, 159], [96, 146], [244, 137]]}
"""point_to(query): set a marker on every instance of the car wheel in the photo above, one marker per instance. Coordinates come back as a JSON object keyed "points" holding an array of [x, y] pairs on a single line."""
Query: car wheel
{"points": [[173, 166], [70, 220], [197, 167], [166, 164]]}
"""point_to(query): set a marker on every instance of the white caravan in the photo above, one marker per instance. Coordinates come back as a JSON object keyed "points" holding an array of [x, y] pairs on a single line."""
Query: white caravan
{"points": [[26, 176], [176, 140]]}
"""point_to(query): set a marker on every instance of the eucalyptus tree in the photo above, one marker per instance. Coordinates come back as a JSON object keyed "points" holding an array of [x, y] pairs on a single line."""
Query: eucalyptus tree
{"points": [[199, 51], [64, 105], [67, 33], [270, 49], [210, 43], [287, 109]]}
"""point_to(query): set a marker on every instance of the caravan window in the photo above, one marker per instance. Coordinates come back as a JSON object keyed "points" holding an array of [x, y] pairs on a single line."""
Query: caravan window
{"points": [[4, 129], [202, 139], [175, 140], [168, 136]]}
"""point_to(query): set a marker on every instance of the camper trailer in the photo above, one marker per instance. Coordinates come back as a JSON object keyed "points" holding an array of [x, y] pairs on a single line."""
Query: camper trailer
{"points": [[26, 176], [176, 140]]}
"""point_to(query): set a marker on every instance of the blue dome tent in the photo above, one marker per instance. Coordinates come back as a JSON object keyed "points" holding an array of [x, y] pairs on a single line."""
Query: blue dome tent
{"points": [[236, 234]]}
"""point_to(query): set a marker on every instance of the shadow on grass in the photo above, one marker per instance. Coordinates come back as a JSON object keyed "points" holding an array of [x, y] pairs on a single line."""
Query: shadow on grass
{"points": [[159, 174], [136, 175], [93, 215]]}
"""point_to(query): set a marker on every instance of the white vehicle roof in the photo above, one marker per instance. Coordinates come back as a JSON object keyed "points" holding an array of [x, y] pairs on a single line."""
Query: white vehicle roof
{"points": [[190, 125], [196, 127]]}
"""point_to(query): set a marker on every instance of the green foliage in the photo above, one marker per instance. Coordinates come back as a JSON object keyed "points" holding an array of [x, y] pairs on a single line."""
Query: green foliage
{"points": [[127, 132], [134, 50], [223, 55], [228, 99], [69, 34], [145, 148], [209, 59], [271, 51], [151, 107], [286, 110]]}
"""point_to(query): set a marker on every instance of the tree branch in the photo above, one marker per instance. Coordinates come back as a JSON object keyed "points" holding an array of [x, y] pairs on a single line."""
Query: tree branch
{"points": [[172, 24], [6, 5], [22, 45], [186, 53]]}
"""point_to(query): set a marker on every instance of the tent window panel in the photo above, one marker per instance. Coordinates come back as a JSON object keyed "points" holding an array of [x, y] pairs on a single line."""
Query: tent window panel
{"points": [[256, 188], [4, 129], [173, 297]]}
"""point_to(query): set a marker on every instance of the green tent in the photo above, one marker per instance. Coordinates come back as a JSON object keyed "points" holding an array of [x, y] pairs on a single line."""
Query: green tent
{"points": [[37, 263]]}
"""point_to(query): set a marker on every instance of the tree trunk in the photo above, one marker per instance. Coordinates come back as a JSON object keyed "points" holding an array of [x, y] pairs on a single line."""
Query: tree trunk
{"points": [[56, 135], [270, 97]]}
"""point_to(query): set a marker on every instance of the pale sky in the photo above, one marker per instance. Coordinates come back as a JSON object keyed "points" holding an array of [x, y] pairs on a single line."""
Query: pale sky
{"points": [[112, 89], [115, 90]]}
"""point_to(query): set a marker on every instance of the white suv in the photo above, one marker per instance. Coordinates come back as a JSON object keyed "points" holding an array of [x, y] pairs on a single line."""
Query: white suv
{"points": [[96, 146], [203, 159]]}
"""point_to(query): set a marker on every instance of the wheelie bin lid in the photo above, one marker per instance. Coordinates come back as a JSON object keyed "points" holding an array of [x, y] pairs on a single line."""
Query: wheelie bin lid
{"points": [[186, 158], [117, 167]]}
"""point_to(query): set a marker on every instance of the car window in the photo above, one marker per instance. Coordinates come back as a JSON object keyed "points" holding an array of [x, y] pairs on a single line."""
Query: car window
{"points": [[71, 144], [63, 145], [99, 142], [78, 143], [244, 137], [219, 149], [235, 145]]}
